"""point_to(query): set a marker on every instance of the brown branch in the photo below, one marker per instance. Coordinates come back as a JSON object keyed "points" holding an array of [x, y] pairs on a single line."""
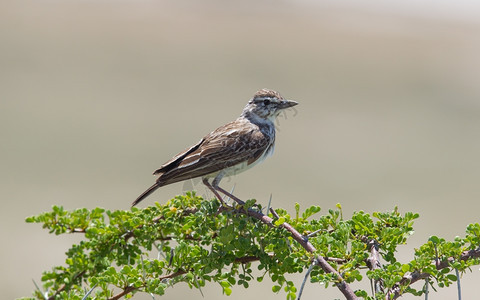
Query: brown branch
{"points": [[335, 260], [373, 263], [395, 291], [125, 291], [130, 289], [63, 287], [464, 256], [247, 259]]}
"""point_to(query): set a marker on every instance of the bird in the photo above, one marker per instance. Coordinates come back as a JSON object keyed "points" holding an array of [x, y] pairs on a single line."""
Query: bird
{"points": [[228, 150]]}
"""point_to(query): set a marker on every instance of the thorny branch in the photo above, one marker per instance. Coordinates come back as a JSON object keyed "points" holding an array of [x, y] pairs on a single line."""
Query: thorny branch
{"points": [[464, 256], [130, 289], [395, 291], [63, 287], [373, 261]]}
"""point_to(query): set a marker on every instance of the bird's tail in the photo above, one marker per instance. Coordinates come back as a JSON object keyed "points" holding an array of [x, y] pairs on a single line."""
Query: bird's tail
{"points": [[146, 193]]}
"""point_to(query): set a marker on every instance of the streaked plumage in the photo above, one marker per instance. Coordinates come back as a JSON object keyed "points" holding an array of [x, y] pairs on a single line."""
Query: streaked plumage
{"points": [[229, 149]]}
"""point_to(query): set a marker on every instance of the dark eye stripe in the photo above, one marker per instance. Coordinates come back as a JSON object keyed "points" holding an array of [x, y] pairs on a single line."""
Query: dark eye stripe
{"points": [[265, 100]]}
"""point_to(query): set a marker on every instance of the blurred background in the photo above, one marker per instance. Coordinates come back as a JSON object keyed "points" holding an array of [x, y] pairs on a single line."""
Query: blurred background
{"points": [[95, 95]]}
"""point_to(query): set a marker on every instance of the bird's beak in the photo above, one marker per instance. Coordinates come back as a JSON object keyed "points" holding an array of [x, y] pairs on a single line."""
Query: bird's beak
{"points": [[287, 103]]}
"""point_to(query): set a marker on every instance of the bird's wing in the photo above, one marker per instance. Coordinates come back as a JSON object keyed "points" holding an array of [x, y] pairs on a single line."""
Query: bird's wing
{"points": [[225, 147], [177, 159]]}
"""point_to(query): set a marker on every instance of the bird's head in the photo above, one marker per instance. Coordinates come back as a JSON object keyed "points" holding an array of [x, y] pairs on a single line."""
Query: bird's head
{"points": [[266, 104]]}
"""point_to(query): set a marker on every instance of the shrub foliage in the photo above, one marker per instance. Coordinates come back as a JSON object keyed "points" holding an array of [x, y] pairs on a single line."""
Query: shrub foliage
{"points": [[196, 241]]}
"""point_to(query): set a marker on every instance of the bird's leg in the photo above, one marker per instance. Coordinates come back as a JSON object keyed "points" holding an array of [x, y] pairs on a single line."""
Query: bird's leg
{"points": [[210, 187], [240, 202], [215, 186]]}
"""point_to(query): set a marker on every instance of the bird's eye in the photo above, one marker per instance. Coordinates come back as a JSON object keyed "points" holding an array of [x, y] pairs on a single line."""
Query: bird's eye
{"points": [[266, 102]]}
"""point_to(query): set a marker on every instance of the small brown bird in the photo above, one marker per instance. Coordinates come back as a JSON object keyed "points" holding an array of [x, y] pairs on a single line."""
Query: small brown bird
{"points": [[229, 149]]}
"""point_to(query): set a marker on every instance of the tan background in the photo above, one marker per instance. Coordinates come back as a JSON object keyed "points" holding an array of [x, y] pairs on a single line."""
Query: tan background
{"points": [[97, 94]]}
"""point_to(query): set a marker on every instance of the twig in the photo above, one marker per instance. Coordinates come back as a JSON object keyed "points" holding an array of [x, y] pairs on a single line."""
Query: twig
{"points": [[437, 259], [373, 263], [248, 259], [336, 260], [130, 289], [63, 287], [274, 213], [125, 291]]}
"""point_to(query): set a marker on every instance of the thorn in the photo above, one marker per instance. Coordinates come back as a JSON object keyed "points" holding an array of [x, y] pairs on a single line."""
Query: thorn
{"points": [[199, 287], [143, 268], [171, 257], [288, 245], [305, 279], [269, 203], [313, 233], [225, 197], [89, 292], [38, 288], [160, 253]]}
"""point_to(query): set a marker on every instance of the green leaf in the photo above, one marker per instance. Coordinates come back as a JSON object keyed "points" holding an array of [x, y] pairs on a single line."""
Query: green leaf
{"points": [[405, 268], [361, 293], [452, 277], [232, 280], [227, 291], [311, 211], [434, 239], [280, 221], [276, 288]]}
